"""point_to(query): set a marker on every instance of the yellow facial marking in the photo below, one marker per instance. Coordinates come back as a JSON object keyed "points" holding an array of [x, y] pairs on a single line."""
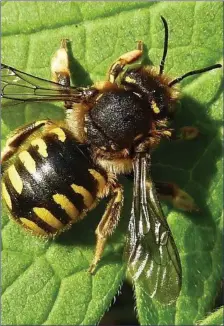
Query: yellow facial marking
{"points": [[99, 178], [128, 79], [87, 197], [33, 226], [155, 107], [47, 217], [6, 196], [167, 133], [65, 204], [15, 179], [59, 132], [41, 146], [28, 161]]}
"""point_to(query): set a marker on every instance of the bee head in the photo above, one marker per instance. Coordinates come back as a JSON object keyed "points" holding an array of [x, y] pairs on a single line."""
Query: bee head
{"points": [[152, 87]]}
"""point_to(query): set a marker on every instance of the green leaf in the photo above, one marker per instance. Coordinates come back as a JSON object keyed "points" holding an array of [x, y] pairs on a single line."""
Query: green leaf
{"points": [[46, 282], [215, 318]]}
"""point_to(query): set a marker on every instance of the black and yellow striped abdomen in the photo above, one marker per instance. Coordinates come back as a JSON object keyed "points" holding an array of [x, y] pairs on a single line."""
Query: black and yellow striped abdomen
{"points": [[51, 182]]}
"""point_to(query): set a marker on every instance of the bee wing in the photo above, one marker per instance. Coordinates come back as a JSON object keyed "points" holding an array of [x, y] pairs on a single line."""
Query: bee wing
{"points": [[18, 86], [153, 259]]}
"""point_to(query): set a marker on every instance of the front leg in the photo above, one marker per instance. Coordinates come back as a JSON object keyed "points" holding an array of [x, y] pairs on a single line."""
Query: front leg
{"points": [[108, 223], [123, 60]]}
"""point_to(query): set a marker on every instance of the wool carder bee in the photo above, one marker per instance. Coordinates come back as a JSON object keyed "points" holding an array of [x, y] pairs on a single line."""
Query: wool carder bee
{"points": [[54, 172]]}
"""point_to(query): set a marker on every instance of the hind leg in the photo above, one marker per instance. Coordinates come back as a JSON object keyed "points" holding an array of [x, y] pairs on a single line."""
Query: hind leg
{"points": [[107, 224]]}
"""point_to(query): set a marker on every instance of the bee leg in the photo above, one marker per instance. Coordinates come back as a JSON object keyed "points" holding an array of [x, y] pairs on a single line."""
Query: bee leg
{"points": [[60, 68], [170, 191], [179, 198], [60, 65], [105, 86], [123, 60], [185, 133], [117, 67], [19, 136], [107, 224]]}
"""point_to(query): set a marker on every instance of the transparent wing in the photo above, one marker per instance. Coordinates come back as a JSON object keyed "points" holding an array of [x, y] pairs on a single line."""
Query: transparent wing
{"points": [[18, 86], [153, 260]]}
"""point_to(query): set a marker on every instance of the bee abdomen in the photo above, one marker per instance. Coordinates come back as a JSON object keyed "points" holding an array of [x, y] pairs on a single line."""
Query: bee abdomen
{"points": [[51, 183]]}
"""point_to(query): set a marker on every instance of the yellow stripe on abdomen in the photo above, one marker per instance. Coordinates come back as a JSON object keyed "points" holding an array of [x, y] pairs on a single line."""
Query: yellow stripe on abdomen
{"points": [[67, 205], [87, 197], [101, 181], [28, 162], [46, 216], [32, 226], [6, 196], [59, 132], [15, 179], [41, 146]]}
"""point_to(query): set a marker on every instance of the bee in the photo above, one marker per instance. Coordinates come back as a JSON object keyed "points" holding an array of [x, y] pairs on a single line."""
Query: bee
{"points": [[55, 172]]}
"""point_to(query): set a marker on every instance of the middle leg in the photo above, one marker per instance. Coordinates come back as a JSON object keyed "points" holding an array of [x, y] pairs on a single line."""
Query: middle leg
{"points": [[108, 223]]}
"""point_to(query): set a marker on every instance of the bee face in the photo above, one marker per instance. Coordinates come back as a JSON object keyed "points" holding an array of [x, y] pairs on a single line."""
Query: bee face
{"points": [[153, 88]]}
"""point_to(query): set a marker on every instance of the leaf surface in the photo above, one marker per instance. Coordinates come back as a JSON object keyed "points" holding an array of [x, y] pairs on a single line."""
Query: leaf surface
{"points": [[46, 282], [215, 318]]}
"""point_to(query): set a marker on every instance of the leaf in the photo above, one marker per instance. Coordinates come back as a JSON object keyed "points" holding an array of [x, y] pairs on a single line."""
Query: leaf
{"points": [[46, 282], [215, 318]]}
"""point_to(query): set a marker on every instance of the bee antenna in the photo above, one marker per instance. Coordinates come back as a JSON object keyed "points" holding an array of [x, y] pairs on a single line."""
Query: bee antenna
{"points": [[165, 46], [193, 72]]}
